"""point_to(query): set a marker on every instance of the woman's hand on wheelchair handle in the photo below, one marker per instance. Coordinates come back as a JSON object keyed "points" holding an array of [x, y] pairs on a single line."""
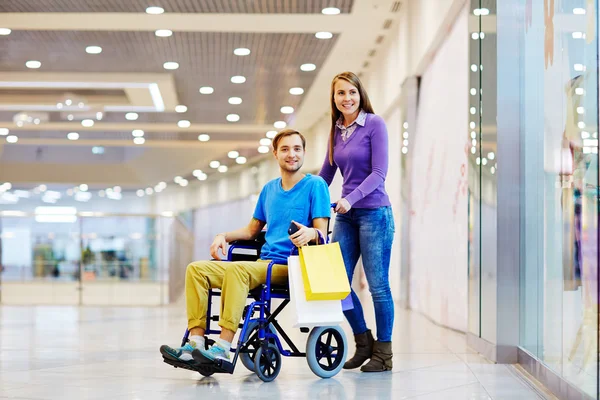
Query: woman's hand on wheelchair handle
{"points": [[303, 236], [218, 243], [342, 206]]}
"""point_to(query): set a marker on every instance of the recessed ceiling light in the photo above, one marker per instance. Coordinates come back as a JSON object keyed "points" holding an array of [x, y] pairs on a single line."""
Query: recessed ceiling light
{"points": [[241, 51], [330, 11], [184, 123], [207, 90], [137, 133], [197, 172], [265, 142], [73, 136], [5, 31], [99, 116], [308, 67], [177, 179], [183, 182], [323, 35], [235, 100], [12, 139], [97, 150], [263, 149], [139, 140], [33, 64], [233, 154], [241, 160], [233, 118], [203, 137], [149, 191], [202, 177], [93, 49], [271, 134], [214, 164], [155, 10], [140, 193], [223, 168], [238, 79], [171, 65], [87, 123], [296, 91], [4, 131], [287, 109], [579, 11], [280, 124], [181, 109], [163, 33], [131, 116], [83, 187]]}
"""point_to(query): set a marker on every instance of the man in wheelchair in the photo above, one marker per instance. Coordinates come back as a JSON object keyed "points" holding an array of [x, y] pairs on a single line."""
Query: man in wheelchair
{"points": [[295, 196]]}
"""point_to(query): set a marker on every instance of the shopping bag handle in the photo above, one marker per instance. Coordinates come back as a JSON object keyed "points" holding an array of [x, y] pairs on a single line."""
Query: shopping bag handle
{"points": [[324, 240]]}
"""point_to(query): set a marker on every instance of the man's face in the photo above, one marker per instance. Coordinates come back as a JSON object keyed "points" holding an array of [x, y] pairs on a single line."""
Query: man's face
{"points": [[290, 153]]}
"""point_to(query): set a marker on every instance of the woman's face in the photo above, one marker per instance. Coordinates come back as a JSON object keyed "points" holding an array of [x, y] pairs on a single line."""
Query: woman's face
{"points": [[346, 98]]}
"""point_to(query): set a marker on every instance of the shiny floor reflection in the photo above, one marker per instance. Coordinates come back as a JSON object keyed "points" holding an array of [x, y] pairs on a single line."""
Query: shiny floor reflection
{"points": [[112, 353]]}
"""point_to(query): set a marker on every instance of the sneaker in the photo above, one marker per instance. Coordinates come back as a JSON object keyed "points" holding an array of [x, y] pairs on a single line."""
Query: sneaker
{"points": [[215, 352], [183, 353]]}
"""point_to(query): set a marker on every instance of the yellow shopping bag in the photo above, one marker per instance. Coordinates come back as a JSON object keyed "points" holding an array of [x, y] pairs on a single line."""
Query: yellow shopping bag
{"points": [[323, 272]]}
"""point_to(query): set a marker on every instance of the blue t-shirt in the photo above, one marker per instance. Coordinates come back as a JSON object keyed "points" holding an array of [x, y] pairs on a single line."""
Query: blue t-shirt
{"points": [[307, 200]]}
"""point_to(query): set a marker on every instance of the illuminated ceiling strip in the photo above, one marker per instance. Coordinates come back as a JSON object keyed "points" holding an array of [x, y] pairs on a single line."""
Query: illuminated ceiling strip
{"points": [[156, 97]]}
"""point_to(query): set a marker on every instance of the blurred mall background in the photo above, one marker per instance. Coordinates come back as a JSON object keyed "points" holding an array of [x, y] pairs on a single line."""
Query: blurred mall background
{"points": [[131, 132]]}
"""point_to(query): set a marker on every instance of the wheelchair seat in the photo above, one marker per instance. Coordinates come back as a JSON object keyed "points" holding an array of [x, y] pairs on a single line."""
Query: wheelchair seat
{"points": [[279, 290]]}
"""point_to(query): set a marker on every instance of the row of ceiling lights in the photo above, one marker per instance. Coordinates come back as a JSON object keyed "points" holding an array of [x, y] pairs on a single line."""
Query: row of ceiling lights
{"points": [[171, 65]]}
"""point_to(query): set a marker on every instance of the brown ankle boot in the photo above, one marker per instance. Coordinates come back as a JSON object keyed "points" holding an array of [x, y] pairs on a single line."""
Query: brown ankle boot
{"points": [[364, 350], [381, 360]]}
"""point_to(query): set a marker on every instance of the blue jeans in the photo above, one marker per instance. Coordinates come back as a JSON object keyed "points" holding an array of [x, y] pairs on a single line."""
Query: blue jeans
{"points": [[370, 233]]}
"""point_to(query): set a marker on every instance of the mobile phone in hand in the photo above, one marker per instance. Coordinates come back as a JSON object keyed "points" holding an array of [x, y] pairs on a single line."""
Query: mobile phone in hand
{"points": [[293, 229]]}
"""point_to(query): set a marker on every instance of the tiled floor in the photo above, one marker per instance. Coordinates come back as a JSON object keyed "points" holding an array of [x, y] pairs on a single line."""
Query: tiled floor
{"points": [[112, 353]]}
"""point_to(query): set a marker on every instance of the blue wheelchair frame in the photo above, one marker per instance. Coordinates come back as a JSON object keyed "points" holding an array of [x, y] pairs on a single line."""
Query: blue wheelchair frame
{"points": [[262, 303]]}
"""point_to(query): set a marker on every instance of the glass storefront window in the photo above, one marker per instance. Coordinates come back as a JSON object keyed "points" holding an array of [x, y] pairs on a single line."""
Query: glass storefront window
{"points": [[559, 188]]}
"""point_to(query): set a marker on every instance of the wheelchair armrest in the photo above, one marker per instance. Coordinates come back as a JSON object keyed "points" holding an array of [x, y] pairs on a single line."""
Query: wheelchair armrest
{"points": [[257, 243]]}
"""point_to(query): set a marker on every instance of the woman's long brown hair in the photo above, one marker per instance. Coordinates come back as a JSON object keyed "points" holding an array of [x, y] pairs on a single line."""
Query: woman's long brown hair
{"points": [[365, 104]]}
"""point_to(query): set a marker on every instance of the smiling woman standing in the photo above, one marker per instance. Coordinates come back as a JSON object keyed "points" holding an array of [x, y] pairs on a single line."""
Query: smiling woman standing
{"points": [[364, 225]]}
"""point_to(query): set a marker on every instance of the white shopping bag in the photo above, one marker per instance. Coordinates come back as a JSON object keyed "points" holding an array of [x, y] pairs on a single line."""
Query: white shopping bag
{"points": [[310, 313]]}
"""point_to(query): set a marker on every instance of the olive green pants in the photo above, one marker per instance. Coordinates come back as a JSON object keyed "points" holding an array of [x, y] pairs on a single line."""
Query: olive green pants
{"points": [[235, 279]]}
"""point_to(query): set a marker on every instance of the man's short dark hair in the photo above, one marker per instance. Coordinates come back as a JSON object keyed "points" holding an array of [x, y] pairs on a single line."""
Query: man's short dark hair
{"points": [[285, 133]]}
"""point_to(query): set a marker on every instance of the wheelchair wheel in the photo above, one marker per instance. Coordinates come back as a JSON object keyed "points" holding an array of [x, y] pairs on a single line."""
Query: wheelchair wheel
{"points": [[248, 358], [326, 350], [267, 362]]}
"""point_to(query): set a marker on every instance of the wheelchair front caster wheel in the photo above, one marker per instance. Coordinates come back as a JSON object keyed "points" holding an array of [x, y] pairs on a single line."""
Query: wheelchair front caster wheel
{"points": [[326, 350], [248, 358], [267, 363]]}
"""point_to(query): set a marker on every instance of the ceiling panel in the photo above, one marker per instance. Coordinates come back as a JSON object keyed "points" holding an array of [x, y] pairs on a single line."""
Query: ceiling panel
{"points": [[205, 59], [178, 6], [127, 135]]}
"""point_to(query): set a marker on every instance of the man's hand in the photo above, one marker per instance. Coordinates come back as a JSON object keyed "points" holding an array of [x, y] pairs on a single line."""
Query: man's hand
{"points": [[303, 236], [342, 206], [218, 243]]}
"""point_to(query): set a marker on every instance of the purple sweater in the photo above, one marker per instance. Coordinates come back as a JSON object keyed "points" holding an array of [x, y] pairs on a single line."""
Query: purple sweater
{"points": [[363, 162]]}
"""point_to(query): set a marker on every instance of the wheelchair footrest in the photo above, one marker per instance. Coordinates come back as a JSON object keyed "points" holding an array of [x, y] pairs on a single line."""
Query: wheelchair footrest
{"points": [[216, 366], [180, 364]]}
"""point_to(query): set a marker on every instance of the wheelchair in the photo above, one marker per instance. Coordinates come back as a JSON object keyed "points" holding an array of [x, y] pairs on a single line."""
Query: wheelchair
{"points": [[259, 346]]}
